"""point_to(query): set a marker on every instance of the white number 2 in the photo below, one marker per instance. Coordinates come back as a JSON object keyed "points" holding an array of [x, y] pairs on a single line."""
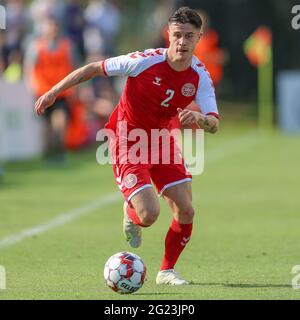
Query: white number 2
{"points": [[170, 93]]}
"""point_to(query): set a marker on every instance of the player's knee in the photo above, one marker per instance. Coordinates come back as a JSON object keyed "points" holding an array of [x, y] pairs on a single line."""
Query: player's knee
{"points": [[186, 215], [149, 215]]}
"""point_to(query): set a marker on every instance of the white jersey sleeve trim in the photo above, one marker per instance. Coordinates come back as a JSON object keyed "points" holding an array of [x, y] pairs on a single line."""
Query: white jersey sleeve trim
{"points": [[205, 96], [133, 63]]}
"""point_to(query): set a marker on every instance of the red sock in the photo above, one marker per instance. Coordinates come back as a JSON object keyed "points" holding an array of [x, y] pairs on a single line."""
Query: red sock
{"points": [[177, 237], [133, 216]]}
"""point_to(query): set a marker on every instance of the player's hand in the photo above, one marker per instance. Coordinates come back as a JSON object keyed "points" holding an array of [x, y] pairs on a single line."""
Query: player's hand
{"points": [[44, 102], [188, 117]]}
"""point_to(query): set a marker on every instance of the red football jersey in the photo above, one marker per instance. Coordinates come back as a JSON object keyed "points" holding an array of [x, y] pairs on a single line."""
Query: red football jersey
{"points": [[154, 90]]}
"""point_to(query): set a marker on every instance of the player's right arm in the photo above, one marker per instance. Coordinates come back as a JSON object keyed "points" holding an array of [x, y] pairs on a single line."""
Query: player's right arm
{"points": [[125, 65], [80, 75]]}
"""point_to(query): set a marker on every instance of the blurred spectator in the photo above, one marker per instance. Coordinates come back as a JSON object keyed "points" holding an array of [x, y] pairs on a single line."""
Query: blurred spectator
{"points": [[2, 60], [41, 9], [77, 133], [48, 59], [156, 23], [49, 56], [103, 24], [13, 73], [2, 64], [208, 50], [104, 103], [74, 24], [16, 24], [100, 99]]}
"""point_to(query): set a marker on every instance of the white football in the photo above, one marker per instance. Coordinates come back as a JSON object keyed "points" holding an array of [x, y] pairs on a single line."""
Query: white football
{"points": [[125, 272]]}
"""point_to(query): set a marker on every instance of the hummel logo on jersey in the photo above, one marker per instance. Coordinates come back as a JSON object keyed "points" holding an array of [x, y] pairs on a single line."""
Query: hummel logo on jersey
{"points": [[157, 81]]}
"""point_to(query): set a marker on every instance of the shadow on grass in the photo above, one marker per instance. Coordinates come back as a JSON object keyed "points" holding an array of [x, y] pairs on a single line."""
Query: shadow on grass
{"points": [[227, 285], [246, 285], [157, 294], [243, 285]]}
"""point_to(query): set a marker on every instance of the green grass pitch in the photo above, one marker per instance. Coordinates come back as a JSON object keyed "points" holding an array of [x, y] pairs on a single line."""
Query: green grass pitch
{"points": [[245, 239]]}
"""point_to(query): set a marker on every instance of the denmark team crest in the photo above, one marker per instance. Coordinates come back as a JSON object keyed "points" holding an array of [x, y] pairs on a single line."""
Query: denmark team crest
{"points": [[130, 181], [188, 90]]}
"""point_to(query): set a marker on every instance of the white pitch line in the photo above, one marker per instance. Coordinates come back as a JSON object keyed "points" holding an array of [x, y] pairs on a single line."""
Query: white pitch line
{"points": [[60, 220], [232, 147]]}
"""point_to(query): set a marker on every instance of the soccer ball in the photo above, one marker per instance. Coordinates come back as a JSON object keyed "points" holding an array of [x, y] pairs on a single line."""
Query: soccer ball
{"points": [[125, 272]]}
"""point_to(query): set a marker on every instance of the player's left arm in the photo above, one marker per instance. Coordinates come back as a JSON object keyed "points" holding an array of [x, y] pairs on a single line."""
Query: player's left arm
{"points": [[208, 116], [209, 123]]}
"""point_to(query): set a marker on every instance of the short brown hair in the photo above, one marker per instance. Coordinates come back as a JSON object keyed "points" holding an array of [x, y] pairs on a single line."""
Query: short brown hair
{"points": [[186, 15]]}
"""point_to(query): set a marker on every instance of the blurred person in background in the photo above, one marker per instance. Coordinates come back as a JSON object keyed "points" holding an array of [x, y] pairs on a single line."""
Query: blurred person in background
{"points": [[14, 71], [78, 130], [104, 102], [2, 59], [16, 25], [49, 58], [105, 96], [40, 10], [11, 41], [10, 46], [2, 64], [208, 50], [103, 23], [156, 23], [74, 24]]}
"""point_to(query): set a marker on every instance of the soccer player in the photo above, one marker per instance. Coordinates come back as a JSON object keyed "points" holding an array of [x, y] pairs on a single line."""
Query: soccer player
{"points": [[160, 84]]}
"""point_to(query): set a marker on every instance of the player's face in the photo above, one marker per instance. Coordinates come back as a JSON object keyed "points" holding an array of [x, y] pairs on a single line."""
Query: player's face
{"points": [[51, 29], [183, 40]]}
